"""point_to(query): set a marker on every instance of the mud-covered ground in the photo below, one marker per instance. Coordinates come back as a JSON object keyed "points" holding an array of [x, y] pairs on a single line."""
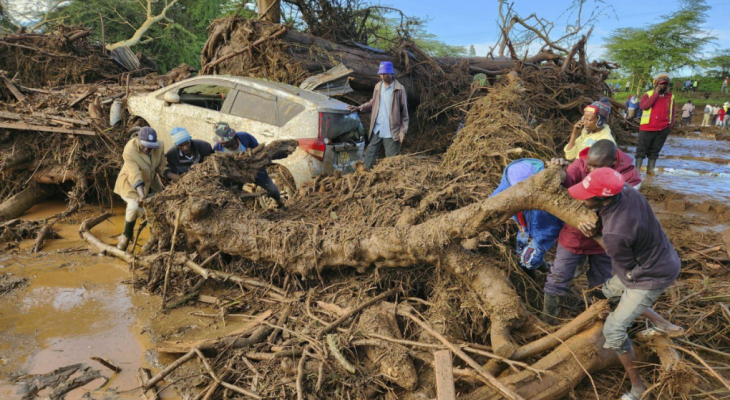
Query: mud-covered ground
{"points": [[74, 304]]}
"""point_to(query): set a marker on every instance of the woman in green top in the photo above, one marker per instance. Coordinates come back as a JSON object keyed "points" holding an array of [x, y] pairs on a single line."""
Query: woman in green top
{"points": [[590, 129]]}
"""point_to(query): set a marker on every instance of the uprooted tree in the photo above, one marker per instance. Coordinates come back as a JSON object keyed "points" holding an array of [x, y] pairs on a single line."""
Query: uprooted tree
{"points": [[433, 237]]}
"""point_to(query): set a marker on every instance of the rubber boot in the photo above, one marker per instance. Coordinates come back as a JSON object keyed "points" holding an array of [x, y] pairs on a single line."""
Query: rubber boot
{"points": [[126, 236], [638, 163], [650, 167], [551, 309]]}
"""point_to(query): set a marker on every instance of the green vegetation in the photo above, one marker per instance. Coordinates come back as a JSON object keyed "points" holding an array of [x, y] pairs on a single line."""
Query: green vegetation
{"points": [[675, 43]]}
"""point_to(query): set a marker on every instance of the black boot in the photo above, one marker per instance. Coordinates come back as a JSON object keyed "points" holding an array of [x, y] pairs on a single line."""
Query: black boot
{"points": [[638, 163], [551, 309], [650, 167], [126, 235]]}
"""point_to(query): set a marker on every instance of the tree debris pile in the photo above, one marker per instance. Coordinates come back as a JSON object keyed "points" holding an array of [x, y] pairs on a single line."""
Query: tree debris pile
{"points": [[417, 212], [60, 57]]}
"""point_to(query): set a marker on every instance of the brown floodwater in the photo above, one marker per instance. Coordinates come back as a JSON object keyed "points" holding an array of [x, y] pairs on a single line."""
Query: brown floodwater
{"points": [[76, 306]]}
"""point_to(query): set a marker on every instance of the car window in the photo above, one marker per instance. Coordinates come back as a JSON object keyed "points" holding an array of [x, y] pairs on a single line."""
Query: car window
{"points": [[206, 95], [258, 108], [288, 110]]}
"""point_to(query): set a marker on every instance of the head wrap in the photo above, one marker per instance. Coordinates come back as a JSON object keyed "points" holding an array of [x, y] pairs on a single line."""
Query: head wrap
{"points": [[602, 109], [180, 135]]}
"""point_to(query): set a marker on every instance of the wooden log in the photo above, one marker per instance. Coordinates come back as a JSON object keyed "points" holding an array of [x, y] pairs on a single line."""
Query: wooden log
{"points": [[81, 98], [444, 371], [566, 366], [144, 375], [15, 206], [183, 346], [11, 86], [41, 237], [22, 126]]}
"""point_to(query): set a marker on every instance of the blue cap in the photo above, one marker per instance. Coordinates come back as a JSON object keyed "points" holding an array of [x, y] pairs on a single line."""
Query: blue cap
{"points": [[148, 137], [180, 135], [386, 67]]}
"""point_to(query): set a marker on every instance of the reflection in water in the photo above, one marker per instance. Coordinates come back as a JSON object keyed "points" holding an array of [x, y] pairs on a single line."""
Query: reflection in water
{"points": [[694, 167]]}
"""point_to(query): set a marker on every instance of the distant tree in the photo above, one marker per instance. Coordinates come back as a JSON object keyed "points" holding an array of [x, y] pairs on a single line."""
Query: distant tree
{"points": [[670, 45], [472, 51], [719, 65]]}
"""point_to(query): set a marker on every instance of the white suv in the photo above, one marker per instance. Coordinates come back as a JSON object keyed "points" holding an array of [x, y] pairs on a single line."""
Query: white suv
{"points": [[330, 136]]}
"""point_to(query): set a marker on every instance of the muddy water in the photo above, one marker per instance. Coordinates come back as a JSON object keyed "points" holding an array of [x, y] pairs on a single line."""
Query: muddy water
{"points": [[76, 306], [696, 167]]}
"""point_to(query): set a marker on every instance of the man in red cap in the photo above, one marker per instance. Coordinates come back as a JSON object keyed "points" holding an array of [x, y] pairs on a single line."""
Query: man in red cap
{"points": [[657, 119], [573, 247], [643, 260]]}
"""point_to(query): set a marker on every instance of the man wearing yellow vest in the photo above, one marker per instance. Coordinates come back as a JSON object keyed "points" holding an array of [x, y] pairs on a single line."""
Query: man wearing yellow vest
{"points": [[656, 120]]}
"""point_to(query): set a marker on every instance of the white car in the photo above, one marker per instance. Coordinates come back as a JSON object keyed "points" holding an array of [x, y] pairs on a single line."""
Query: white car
{"points": [[330, 136]]}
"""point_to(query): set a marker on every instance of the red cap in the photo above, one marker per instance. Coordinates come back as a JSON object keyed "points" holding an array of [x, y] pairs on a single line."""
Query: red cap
{"points": [[602, 182]]}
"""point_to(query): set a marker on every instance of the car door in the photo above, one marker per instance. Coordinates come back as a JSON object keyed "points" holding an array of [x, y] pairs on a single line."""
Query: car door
{"points": [[254, 111], [203, 103]]}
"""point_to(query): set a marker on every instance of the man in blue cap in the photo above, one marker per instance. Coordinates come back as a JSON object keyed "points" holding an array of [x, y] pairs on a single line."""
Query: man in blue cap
{"points": [[389, 123], [229, 141], [538, 229], [186, 152]]}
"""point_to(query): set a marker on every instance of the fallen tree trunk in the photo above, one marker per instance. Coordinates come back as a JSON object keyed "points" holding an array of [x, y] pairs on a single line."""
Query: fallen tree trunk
{"points": [[302, 248], [15, 206], [316, 55]]}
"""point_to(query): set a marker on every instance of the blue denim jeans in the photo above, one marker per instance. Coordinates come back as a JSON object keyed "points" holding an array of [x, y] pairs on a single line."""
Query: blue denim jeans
{"points": [[563, 270], [631, 304]]}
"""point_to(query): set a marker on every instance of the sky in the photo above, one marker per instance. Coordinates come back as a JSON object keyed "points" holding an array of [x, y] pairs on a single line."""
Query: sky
{"points": [[467, 22]]}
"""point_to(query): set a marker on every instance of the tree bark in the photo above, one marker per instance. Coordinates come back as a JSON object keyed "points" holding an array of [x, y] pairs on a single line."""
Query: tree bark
{"points": [[270, 10], [15, 206]]}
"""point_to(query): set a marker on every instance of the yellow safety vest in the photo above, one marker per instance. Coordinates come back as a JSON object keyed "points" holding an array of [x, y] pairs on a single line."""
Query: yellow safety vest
{"points": [[646, 115]]}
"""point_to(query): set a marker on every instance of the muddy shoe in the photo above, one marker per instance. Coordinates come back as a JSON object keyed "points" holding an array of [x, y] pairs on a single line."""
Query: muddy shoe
{"points": [[123, 242], [551, 309]]}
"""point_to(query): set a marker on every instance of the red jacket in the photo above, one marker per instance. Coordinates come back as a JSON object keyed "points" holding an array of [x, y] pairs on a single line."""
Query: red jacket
{"points": [[661, 116], [571, 238], [721, 115]]}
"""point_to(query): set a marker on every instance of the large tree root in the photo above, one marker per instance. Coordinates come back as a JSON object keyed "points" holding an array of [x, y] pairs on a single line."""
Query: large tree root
{"points": [[566, 366], [393, 363]]}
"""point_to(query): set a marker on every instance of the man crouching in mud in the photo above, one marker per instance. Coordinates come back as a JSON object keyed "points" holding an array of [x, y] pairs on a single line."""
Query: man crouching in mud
{"points": [[643, 260], [229, 141]]}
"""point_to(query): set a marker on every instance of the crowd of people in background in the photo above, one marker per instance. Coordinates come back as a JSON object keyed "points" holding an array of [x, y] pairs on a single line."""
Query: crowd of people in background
{"points": [[717, 114]]}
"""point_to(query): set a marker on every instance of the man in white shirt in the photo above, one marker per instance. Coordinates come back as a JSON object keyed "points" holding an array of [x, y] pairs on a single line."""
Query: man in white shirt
{"points": [[389, 106]]}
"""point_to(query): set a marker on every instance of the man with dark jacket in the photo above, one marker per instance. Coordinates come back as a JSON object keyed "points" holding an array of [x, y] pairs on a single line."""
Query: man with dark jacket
{"points": [[643, 259], [229, 141], [389, 107], [573, 246], [538, 229], [186, 152], [657, 119]]}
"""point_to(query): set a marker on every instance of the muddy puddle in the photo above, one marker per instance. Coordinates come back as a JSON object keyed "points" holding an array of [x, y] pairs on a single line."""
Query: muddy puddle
{"points": [[76, 306], [698, 168]]}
